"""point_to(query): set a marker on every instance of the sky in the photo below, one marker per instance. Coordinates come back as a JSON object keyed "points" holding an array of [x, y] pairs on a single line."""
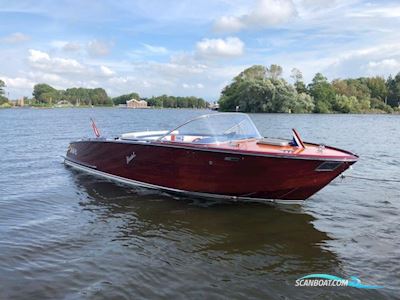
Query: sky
{"points": [[184, 48]]}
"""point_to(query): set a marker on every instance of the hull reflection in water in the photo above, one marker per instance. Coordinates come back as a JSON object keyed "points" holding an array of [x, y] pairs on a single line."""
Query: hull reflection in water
{"points": [[267, 238]]}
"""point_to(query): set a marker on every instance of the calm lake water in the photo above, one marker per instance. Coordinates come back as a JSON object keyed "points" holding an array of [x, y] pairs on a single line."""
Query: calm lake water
{"points": [[67, 235]]}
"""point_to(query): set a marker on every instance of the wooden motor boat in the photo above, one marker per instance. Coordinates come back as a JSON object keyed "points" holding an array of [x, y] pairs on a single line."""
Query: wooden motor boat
{"points": [[220, 155]]}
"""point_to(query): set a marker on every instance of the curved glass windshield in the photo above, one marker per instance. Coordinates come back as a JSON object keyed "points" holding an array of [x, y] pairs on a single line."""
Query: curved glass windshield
{"points": [[214, 128]]}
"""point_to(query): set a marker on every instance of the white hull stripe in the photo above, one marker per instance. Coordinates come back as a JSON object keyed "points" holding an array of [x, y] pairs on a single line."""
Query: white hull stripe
{"points": [[166, 189]]}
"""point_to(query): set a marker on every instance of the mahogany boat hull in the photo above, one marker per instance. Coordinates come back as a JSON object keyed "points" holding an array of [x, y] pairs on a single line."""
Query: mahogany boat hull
{"points": [[205, 172]]}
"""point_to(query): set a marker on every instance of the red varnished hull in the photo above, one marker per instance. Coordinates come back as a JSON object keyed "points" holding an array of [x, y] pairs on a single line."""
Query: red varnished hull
{"points": [[202, 171]]}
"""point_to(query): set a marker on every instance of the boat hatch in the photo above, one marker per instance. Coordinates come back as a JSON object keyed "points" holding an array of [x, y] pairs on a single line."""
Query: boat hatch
{"points": [[273, 141]]}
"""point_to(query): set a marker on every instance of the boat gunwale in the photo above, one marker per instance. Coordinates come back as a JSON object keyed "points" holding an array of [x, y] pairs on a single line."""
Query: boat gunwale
{"points": [[188, 146]]}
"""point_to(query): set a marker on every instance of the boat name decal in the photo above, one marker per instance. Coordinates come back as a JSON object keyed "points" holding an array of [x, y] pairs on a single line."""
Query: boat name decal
{"points": [[287, 151], [72, 150], [129, 158]]}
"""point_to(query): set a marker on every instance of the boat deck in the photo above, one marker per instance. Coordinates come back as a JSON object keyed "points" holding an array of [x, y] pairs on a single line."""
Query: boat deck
{"points": [[254, 146]]}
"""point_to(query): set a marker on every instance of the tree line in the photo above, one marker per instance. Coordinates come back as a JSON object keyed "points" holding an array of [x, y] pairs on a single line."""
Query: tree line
{"points": [[256, 89], [46, 94], [177, 102], [262, 89], [164, 101]]}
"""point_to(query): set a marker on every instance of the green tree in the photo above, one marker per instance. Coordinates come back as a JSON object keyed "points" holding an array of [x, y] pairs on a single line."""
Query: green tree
{"points": [[252, 95], [2, 86], [393, 85], [380, 105], [155, 101], [357, 88], [299, 84], [256, 72], [232, 93], [176, 102], [377, 87], [44, 93], [256, 90], [346, 104], [3, 99], [323, 93], [303, 103], [274, 71], [282, 96]]}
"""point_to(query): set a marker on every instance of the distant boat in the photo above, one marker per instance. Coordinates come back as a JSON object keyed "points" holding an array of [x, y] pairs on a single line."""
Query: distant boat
{"points": [[213, 156]]}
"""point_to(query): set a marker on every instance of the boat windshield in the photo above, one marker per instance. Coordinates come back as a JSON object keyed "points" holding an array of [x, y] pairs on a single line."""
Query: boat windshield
{"points": [[214, 128]]}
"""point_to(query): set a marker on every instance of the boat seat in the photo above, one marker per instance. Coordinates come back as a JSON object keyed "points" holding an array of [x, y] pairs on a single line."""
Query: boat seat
{"points": [[273, 141]]}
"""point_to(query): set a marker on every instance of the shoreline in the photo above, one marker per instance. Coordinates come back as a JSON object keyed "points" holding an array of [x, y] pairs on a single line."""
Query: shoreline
{"points": [[374, 112]]}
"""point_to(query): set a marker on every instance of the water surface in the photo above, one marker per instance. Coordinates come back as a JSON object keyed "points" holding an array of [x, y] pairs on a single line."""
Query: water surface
{"points": [[68, 235]]}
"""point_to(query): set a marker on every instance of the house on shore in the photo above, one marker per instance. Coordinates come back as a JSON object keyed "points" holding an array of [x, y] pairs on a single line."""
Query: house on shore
{"points": [[214, 106], [133, 103], [19, 102], [63, 103]]}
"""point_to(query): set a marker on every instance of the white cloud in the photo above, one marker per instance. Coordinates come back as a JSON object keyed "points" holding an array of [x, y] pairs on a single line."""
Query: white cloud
{"points": [[266, 13], [180, 77], [349, 62], [156, 49], [42, 61], [58, 43], [229, 24], [17, 82], [71, 46], [317, 4], [372, 60], [65, 45], [384, 66], [391, 63], [98, 48], [229, 47], [37, 56], [147, 85], [147, 51], [46, 77], [377, 12], [15, 38], [193, 86], [106, 71]]}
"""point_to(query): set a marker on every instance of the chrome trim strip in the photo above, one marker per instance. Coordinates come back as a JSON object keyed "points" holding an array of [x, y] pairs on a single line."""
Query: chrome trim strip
{"points": [[166, 189], [160, 144], [79, 163]]}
